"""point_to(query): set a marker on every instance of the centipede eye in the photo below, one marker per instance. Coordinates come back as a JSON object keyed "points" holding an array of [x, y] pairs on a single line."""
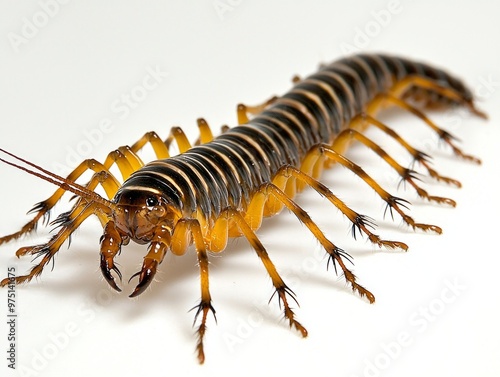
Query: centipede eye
{"points": [[151, 201]]}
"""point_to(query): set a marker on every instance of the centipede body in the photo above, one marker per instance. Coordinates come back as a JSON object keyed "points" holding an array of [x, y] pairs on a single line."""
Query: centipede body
{"points": [[223, 187]]}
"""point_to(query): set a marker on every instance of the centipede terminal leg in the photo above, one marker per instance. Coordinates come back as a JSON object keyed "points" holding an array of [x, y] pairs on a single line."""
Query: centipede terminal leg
{"points": [[415, 81]]}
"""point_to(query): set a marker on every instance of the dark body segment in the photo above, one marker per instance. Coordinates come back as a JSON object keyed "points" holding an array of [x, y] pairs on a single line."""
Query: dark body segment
{"points": [[314, 111]]}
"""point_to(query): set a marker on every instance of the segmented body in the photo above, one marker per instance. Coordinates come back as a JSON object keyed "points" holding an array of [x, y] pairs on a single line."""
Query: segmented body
{"points": [[227, 171], [225, 186]]}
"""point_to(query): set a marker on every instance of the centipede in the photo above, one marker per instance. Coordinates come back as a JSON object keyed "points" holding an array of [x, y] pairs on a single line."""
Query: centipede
{"points": [[222, 187]]}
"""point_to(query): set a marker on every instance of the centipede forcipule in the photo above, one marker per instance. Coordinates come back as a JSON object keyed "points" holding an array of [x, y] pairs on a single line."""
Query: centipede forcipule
{"points": [[223, 187]]}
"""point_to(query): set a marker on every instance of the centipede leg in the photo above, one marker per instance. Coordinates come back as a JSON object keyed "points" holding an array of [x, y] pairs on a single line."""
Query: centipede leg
{"points": [[407, 175], [243, 110], [106, 180], [231, 217], [124, 157], [393, 203], [205, 305], [443, 135], [177, 134], [187, 231], [336, 255], [47, 251], [418, 156], [359, 222], [127, 162], [416, 81], [206, 134]]}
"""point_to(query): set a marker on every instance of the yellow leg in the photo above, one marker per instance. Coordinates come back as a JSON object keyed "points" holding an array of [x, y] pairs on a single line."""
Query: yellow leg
{"points": [[127, 162], [393, 203], [186, 232], [177, 134], [68, 224], [415, 81], [336, 255], [206, 134], [101, 176], [218, 239], [205, 305], [418, 156], [244, 110], [407, 175], [359, 222], [442, 134], [152, 138]]}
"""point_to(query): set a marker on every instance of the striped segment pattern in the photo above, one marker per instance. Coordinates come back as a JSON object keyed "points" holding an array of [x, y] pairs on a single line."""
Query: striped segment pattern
{"points": [[227, 171]]}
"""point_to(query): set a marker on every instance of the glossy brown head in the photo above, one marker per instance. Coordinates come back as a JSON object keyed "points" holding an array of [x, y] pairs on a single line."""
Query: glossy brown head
{"points": [[139, 214]]}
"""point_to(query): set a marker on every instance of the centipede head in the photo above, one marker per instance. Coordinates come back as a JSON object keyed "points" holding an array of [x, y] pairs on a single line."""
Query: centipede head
{"points": [[139, 214], [146, 216]]}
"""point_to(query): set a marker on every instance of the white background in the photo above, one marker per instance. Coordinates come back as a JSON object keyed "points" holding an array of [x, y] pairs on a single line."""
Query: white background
{"points": [[69, 74]]}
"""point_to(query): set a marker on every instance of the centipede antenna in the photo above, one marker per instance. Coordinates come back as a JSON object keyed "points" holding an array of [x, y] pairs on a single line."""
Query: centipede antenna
{"points": [[57, 180]]}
